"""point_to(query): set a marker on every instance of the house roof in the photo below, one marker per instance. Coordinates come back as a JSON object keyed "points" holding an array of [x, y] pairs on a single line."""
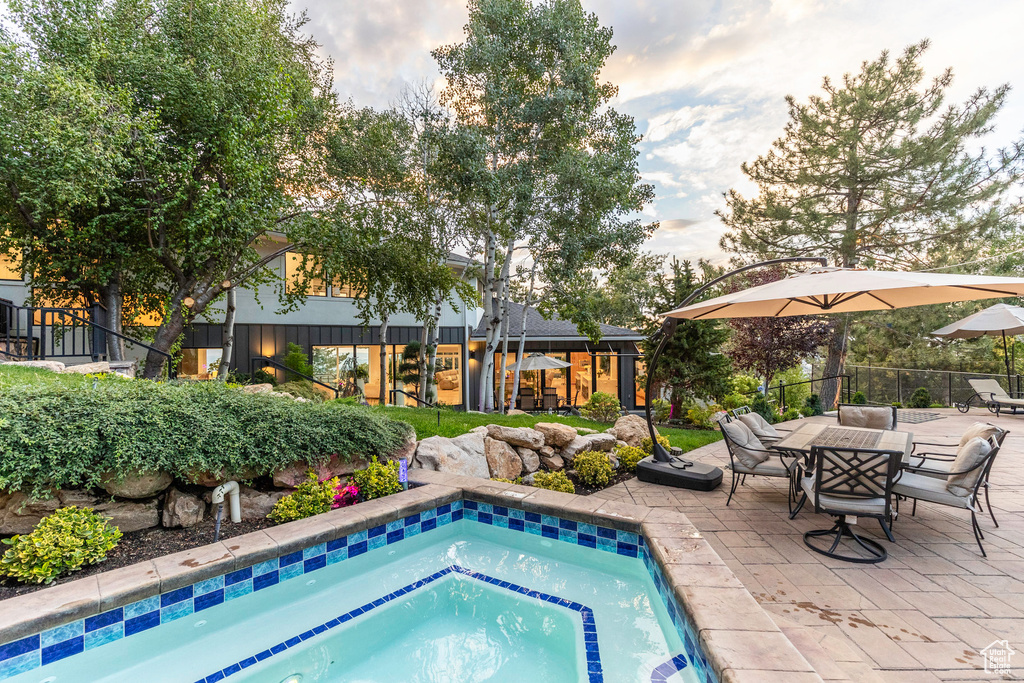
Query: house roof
{"points": [[537, 328]]}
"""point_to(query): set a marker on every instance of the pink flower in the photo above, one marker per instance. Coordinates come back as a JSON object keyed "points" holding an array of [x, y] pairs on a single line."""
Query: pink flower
{"points": [[346, 495]]}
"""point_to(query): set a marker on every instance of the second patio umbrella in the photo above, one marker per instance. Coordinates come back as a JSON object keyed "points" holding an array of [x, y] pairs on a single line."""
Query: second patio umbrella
{"points": [[998, 320], [538, 361]]}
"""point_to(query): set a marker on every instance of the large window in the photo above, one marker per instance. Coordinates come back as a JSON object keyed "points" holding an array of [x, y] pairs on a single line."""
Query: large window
{"points": [[580, 375], [641, 383], [296, 276], [448, 374], [199, 363], [607, 374]]}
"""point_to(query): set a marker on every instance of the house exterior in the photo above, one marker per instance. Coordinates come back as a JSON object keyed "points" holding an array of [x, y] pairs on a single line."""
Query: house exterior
{"points": [[327, 327]]}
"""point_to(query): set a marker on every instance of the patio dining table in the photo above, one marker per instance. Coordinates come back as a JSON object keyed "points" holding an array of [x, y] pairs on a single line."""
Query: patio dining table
{"points": [[802, 439]]}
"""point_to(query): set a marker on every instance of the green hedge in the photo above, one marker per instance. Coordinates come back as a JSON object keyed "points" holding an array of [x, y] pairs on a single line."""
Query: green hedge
{"points": [[54, 436]]}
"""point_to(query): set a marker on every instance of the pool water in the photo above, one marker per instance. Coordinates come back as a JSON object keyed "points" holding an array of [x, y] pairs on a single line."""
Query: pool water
{"points": [[464, 603]]}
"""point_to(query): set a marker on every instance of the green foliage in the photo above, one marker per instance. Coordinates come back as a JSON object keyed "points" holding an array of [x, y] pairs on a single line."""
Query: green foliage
{"points": [[57, 436], [647, 446], [300, 388], [897, 404], [760, 405], [812, 406], [701, 416], [790, 414], [744, 384], [311, 497], [859, 398], [553, 481], [593, 467], [602, 407], [379, 479], [629, 456], [795, 395], [517, 480], [63, 542], [296, 360], [660, 410], [921, 398]]}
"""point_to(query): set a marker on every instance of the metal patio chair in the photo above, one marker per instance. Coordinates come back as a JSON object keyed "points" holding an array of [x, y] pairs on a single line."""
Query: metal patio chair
{"points": [[747, 455], [868, 417]]}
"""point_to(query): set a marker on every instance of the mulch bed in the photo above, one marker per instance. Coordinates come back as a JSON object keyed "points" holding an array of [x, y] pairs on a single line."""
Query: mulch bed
{"points": [[147, 544], [585, 489]]}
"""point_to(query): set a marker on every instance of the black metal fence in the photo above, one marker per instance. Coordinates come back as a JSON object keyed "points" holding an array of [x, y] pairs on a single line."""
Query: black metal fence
{"points": [[896, 385]]}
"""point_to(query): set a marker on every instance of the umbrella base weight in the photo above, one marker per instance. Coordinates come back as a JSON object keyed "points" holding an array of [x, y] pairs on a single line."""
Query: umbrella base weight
{"points": [[680, 473]]}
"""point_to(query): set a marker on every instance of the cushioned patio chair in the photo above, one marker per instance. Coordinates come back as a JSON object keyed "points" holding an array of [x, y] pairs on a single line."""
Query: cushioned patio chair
{"points": [[748, 455], [849, 483], [956, 487], [869, 417], [527, 399], [764, 430], [993, 396]]}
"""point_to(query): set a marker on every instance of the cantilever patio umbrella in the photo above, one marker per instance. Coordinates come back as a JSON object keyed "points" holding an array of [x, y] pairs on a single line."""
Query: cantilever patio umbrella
{"points": [[1001, 319], [821, 290]]}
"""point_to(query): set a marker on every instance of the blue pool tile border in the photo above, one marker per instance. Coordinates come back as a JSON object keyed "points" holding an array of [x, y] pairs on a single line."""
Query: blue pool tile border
{"points": [[595, 672], [66, 640]]}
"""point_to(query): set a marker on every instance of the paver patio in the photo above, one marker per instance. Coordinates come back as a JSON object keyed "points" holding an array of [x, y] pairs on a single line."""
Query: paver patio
{"points": [[922, 615]]}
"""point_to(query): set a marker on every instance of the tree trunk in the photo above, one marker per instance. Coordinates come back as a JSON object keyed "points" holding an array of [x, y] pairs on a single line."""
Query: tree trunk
{"points": [[383, 397], [421, 364], [113, 301], [487, 363], [432, 348], [504, 352], [834, 362], [166, 335], [520, 350], [229, 337]]}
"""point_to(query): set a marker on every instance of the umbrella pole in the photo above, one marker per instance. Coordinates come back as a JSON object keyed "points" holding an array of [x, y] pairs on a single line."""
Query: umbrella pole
{"points": [[1006, 359]]}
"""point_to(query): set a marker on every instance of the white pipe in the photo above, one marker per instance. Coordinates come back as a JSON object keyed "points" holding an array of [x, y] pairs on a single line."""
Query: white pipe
{"points": [[230, 489]]}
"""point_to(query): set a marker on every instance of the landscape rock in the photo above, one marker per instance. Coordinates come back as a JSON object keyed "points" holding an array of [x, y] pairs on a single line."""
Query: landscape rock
{"points": [[256, 504], [631, 429], [124, 368], [545, 451], [294, 474], [556, 435], [441, 454], [182, 509], [516, 436], [588, 442], [125, 515], [529, 479], [482, 429], [502, 460], [552, 462], [213, 479], [137, 485], [516, 411], [51, 365], [621, 444], [258, 388], [531, 461], [407, 450], [19, 514], [87, 368]]}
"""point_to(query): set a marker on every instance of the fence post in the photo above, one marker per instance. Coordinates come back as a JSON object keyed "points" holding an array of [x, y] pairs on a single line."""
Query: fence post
{"points": [[98, 343], [782, 396], [949, 388], [899, 392]]}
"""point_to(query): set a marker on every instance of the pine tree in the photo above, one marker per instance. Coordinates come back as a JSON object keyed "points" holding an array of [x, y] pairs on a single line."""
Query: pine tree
{"points": [[879, 172]]}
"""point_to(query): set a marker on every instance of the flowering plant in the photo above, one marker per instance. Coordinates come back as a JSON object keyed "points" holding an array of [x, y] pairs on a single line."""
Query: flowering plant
{"points": [[345, 495]]}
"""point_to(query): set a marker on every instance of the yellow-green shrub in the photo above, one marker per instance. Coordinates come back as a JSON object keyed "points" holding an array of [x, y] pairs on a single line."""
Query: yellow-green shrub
{"points": [[63, 542], [311, 497], [629, 456], [593, 467], [648, 446], [379, 479], [553, 481]]}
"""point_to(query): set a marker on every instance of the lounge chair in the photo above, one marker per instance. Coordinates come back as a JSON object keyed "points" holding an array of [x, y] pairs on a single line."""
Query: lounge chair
{"points": [[749, 456], [993, 396], [870, 417]]}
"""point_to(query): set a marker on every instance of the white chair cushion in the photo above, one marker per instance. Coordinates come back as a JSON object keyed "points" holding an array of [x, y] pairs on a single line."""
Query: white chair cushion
{"points": [[868, 417], [968, 456], [921, 487], [982, 429], [772, 468], [744, 445], [761, 427], [854, 506]]}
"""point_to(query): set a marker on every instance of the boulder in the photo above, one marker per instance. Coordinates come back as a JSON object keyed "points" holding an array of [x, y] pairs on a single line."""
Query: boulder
{"points": [[516, 411], [87, 368], [406, 450], [529, 479], [212, 479], [588, 442], [545, 451], [258, 388], [531, 461], [136, 485], [441, 454], [631, 429], [482, 429], [124, 368], [51, 365], [556, 435], [256, 504], [182, 509], [516, 436], [502, 460], [19, 514], [552, 462], [125, 515], [619, 443], [294, 474]]}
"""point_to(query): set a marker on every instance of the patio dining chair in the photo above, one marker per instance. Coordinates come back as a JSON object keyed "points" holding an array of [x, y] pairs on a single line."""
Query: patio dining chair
{"points": [[527, 399], [869, 417], [956, 487], [849, 483], [764, 430], [747, 455]]}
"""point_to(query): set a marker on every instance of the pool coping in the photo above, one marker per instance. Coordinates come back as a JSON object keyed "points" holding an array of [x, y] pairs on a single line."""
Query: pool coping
{"points": [[741, 641]]}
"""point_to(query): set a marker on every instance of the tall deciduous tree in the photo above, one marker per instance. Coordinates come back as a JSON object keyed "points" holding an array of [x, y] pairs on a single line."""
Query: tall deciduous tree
{"points": [[878, 171], [767, 346]]}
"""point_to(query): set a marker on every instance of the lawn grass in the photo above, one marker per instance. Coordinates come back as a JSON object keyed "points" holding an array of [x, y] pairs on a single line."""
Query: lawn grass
{"points": [[15, 375], [454, 423]]}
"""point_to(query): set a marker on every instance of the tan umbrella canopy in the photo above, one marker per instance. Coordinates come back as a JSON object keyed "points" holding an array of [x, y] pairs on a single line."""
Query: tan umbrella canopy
{"points": [[998, 320], [538, 361], [840, 290]]}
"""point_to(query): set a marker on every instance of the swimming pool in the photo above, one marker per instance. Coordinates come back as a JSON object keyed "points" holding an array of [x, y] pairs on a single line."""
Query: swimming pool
{"points": [[467, 591]]}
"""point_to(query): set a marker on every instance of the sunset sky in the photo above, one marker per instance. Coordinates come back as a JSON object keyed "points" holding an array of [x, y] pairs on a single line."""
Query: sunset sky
{"points": [[704, 80]]}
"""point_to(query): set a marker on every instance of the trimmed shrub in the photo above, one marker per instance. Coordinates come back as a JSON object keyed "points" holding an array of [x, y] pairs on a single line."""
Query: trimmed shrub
{"points": [[63, 542], [553, 481], [379, 479], [648, 446], [55, 436], [760, 405], [859, 398], [791, 414], [701, 417], [601, 407], [812, 406], [921, 398], [311, 497], [629, 456], [593, 467]]}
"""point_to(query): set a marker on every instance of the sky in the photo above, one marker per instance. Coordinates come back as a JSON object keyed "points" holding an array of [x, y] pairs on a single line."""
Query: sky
{"points": [[704, 80]]}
